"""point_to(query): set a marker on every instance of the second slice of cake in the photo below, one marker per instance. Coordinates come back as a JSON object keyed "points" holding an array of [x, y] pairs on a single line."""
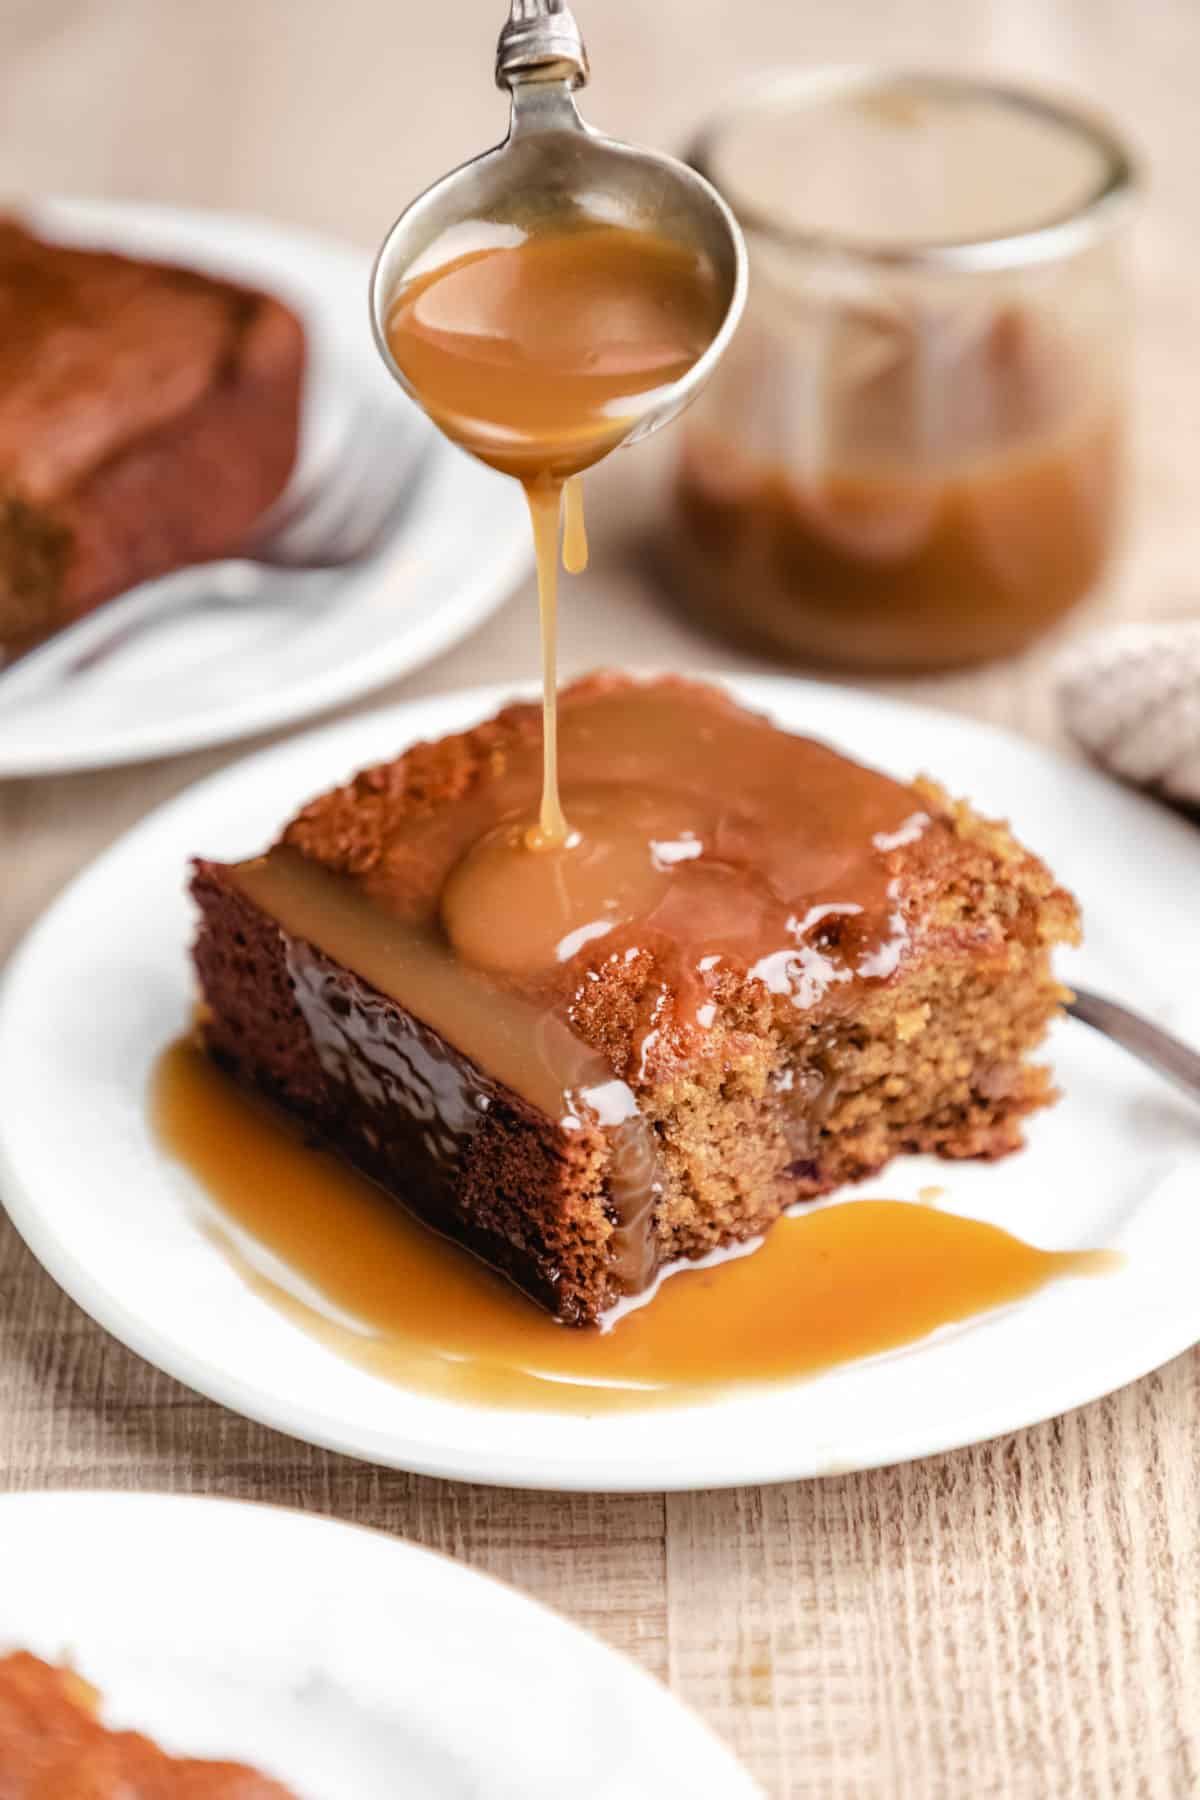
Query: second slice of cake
{"points": [[827, 968]]}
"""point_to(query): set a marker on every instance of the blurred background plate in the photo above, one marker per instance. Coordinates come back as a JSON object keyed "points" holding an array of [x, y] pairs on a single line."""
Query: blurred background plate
{"points": [[207, 677], [350, 1665]]}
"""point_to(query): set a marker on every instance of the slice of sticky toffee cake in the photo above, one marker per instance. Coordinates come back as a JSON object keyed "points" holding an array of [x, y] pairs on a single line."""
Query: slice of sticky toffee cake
{"points": [[823, 968], [53, 1746]]}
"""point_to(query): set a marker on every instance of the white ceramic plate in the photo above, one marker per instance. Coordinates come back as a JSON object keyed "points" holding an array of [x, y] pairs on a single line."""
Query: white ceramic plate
{"points": [[350, 1665], [103, 982], [206, 677]]}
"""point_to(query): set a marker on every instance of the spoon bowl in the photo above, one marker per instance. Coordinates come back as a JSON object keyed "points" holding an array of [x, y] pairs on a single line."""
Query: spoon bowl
{"points": [[555, 173]]}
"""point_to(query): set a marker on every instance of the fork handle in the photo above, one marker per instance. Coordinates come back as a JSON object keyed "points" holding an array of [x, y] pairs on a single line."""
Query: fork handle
{"points": [[1169, 1055], [89, 640]]}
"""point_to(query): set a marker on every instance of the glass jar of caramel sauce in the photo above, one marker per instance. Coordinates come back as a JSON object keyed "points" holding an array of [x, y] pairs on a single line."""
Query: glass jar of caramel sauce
{"points": [[913, 455]]}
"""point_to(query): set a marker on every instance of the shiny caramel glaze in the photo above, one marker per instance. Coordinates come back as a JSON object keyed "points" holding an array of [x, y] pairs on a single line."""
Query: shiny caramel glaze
{"points": [[910, 534], [384, 1292], [709, 835]]}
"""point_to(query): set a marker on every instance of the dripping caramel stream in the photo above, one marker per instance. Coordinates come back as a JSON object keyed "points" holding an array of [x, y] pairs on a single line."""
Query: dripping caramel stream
{"points": [[538, 357], [384, 1292], [548, 501], [545, 498]]}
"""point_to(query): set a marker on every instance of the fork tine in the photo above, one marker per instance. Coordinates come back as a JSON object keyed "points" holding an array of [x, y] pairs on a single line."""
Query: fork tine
{"points": [[352, 513], [365, 521], [320, 510], [374, 516], [312, 490], [304, 489]]}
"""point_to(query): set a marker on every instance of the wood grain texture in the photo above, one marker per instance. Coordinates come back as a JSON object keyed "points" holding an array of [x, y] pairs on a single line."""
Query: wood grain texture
{"points": [[1018, 1619]]}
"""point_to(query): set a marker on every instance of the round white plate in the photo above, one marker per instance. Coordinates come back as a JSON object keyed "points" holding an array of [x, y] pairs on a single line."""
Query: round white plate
{"points": [[103, 982], [205, 677], [348, 1664]]}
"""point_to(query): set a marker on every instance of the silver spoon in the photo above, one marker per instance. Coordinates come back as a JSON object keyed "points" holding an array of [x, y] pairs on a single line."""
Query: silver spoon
{"points": [[554, 169], [1152, 1045], [553, 166]]}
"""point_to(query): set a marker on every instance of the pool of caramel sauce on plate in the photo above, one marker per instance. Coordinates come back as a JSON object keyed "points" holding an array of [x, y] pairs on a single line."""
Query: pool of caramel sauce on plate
{"points": [[378, 1288]]}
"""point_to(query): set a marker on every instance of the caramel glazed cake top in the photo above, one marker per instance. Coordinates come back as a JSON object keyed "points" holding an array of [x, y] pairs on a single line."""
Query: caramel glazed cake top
{"points": [[785, 886]]}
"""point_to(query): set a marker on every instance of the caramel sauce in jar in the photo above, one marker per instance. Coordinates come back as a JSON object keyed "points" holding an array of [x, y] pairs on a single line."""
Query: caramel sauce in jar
{"points": [[913, 455], [928, 533]]}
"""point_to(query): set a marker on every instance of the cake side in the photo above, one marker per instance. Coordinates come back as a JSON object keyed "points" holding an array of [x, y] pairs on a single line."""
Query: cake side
{"points": [[149, 415], [462, 1151], [754, 1101]]}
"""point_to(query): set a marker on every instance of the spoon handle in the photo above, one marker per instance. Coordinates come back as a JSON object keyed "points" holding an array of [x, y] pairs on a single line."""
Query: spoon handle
{"points": [[1169, 1055], [541, 42]]}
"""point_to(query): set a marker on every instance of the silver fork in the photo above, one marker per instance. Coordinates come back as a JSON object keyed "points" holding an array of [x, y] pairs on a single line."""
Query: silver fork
{"points": [[1169, 1055], [340, 513]]}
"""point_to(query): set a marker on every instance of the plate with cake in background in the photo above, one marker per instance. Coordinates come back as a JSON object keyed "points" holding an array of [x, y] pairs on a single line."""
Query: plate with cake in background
{"points": [[157, 1644], [217, 515], [754, 1145]]}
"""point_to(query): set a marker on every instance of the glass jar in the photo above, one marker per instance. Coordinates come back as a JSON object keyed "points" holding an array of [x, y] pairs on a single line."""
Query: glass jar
{"points": [[913, 454]]}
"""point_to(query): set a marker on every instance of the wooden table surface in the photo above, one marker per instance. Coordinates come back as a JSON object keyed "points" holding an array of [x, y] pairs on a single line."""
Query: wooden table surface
{"points": [[1018, 1619]]}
